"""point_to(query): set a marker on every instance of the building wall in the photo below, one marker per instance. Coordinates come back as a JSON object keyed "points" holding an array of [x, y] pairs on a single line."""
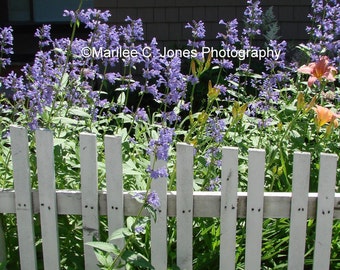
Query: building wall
{"points": [[165, 19]]}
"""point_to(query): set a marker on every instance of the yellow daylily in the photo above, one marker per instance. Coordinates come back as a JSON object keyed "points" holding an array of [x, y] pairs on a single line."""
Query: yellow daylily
{"points": [[238, 111], [212, 91]]}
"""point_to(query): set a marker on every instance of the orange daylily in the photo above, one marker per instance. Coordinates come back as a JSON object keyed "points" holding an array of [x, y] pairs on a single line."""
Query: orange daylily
{"points": [[324, 115], [318, 70]]}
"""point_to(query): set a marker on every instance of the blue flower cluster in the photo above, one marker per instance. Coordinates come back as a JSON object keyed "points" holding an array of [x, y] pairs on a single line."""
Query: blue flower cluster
{"points": [[6, 46], [60, 77], [325, 29]]}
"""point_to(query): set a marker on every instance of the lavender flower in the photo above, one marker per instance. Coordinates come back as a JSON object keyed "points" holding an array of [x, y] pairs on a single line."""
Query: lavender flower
{"points": [[198, 33], [270, 62], [268, 92], [140, 229], [263, 123], [71, 14], [215, 128], [213, 156], [6, 46], [174, 81], [133, 31], [157, 173], [170, 117], [325, 31], [153, 200], [112, 77], [153, 62], [197, 29], [215, 184], [230, 37], [161, 146], [89, 17], [44, 35], [141, 115], [253, 19], [15, 84]]}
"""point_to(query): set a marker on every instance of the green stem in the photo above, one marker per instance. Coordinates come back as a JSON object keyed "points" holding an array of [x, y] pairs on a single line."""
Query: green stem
{"points": [[68, 56], [138, 216]]}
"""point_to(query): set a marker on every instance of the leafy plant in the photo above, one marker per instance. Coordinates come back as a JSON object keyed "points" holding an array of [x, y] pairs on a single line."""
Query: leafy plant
{"points": [[154, 101]]}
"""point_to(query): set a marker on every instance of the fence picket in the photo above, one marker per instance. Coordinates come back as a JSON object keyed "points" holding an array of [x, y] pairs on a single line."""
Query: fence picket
{"points": [[229, 184], [89, 198], [298, 214], [159, 251], [325, 211], [114, 185], [184, 205], [256, 166], [23, 198], [47, 199]]}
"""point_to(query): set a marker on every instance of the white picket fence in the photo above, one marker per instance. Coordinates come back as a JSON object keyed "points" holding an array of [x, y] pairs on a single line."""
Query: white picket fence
{"points": [[228, 205]]}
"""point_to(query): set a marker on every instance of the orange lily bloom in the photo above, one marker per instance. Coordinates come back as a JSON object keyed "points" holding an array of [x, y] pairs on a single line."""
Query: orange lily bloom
{"points": [[318, 70], [324, 115]]}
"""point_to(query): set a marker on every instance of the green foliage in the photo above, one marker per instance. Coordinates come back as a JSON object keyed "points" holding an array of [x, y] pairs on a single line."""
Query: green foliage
{"points": [[228, 107], [270, 26]]}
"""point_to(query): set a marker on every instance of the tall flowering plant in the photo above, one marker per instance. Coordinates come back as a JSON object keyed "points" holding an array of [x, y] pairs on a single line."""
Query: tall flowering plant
{"points": [[154, 101]]}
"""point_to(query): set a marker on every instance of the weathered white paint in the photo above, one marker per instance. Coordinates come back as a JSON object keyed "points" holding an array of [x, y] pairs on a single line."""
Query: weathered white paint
{"points": [[23, 198], [47, 199], [229, 184], [89, 199], [325, 209], [183, 203], [298, 213], [256, 165], [206, 203], [114, 185], [184, 210], [159, 252]]}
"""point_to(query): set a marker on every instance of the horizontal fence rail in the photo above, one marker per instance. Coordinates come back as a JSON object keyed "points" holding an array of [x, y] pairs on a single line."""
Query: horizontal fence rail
{"points": [[184, 204], [205, 203]]}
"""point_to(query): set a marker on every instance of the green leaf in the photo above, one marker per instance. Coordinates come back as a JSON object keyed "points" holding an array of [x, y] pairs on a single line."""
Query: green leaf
{"points": [[152, 212], [136, 259], [129, 168], [121, 99], [101, 258], [2, 265], [64, 81], [67, 121], [120, 233], [104, 246], [79, 112]]}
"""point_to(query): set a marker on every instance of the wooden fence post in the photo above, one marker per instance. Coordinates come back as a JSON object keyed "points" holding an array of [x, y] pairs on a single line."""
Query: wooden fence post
{"points": [[47, 198], [89, 196], [254, 219], [114, 185], [229, 185], [298, 211], [325, 211], [159, 251], [184, 205], [23, 198]]}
